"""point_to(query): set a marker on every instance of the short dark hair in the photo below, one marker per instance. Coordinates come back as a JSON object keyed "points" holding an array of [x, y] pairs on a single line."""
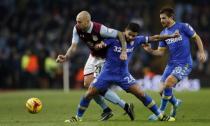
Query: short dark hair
{"points": [[168, 11], [134, 27]]}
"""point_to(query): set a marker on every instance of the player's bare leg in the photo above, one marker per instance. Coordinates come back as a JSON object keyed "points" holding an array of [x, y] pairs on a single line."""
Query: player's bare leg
{"points": [[148, 102], [88, 79]]}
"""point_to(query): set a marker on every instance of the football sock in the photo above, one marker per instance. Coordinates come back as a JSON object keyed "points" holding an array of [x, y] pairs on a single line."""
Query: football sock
{"points": [[167, 94], [173, 100], [114, 98], [100, 101], [84, 103], [150, 104]]}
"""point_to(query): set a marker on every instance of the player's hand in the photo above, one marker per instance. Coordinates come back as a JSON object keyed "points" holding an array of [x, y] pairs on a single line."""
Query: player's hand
{"points": [[61, 58], [147, 47], [100, 45], [175, 34], [123, 55], [202, 56]]}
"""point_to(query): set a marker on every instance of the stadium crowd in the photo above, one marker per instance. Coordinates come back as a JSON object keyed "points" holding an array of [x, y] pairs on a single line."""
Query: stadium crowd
{"points": [[33, 32]]}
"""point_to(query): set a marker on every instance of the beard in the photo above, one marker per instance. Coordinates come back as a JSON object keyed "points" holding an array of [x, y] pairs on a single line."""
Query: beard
{"points": [[164, 24]]}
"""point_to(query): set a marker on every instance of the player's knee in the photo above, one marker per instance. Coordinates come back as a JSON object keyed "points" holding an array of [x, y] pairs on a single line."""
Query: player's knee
{"points": [[170, 82], [161, 88], [137, 92], [141, 96], [86, 84], [87, 80], [90, 93]]}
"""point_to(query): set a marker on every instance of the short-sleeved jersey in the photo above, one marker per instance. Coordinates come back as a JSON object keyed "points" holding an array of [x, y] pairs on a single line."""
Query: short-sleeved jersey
{"points": [[114, 66], [95, 34], [179, 48]]}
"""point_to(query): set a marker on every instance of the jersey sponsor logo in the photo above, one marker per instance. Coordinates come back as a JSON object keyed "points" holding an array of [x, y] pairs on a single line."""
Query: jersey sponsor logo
{"points": [[173, 40], [119, 49]]}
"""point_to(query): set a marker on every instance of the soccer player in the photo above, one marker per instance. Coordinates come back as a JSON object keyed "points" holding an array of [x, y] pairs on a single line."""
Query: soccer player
{"points": [[116, 71], [92, 33], [180, 60]]}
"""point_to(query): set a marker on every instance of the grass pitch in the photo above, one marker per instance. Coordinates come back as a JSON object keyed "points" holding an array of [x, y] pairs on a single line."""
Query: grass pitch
{"points": [[58, 106]]}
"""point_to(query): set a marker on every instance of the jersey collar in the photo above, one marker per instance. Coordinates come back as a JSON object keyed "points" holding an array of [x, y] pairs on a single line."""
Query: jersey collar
{"points": [[171, 25]]}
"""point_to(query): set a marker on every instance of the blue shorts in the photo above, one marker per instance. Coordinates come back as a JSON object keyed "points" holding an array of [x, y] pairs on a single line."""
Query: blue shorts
{"points": [[179, 71], [104, 81]]}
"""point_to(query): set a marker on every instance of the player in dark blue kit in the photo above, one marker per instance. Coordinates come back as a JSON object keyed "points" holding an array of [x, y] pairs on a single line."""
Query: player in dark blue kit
{"points": [[115, 71], [180, 60]]}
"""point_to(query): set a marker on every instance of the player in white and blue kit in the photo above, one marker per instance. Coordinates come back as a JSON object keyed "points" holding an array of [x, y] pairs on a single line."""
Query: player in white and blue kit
{"points": [[115, 71], [180, 60]]}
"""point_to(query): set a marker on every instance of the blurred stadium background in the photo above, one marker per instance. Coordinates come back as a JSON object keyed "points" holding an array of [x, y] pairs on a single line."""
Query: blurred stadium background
{"points": [[34, 32]]}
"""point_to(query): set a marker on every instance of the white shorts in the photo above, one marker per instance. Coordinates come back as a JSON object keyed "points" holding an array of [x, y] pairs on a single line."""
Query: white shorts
{"points": [[93, 65]]}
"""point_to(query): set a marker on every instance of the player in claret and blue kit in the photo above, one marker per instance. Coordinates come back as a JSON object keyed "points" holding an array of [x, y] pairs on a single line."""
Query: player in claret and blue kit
{"points": [[115, 71], [180, 60]]}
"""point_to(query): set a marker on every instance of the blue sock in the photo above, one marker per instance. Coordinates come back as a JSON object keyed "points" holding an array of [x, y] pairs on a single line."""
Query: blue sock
{"points": [[163, 104], [173, 100], [149, 103], [100, 101], [114, 98], [167, 94], [84, 103]]}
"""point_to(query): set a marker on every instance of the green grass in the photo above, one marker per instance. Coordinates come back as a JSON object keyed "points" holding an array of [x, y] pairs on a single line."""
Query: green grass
{"points": [[58, 106]]}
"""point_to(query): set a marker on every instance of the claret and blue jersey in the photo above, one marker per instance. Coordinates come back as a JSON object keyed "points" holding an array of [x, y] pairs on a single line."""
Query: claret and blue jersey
{"points": [[116, 70], [180, 59]]}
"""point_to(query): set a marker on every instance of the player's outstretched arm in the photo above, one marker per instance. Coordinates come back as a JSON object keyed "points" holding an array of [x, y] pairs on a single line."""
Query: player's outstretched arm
{"points": [[158, 52], [123, 55], [201, 52], [70, 51], [72, 48], [163, 37]]}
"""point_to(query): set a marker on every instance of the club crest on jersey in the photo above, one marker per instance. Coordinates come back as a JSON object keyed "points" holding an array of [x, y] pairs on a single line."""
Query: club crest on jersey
{"points": [[82, 36], [95, 38]]}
